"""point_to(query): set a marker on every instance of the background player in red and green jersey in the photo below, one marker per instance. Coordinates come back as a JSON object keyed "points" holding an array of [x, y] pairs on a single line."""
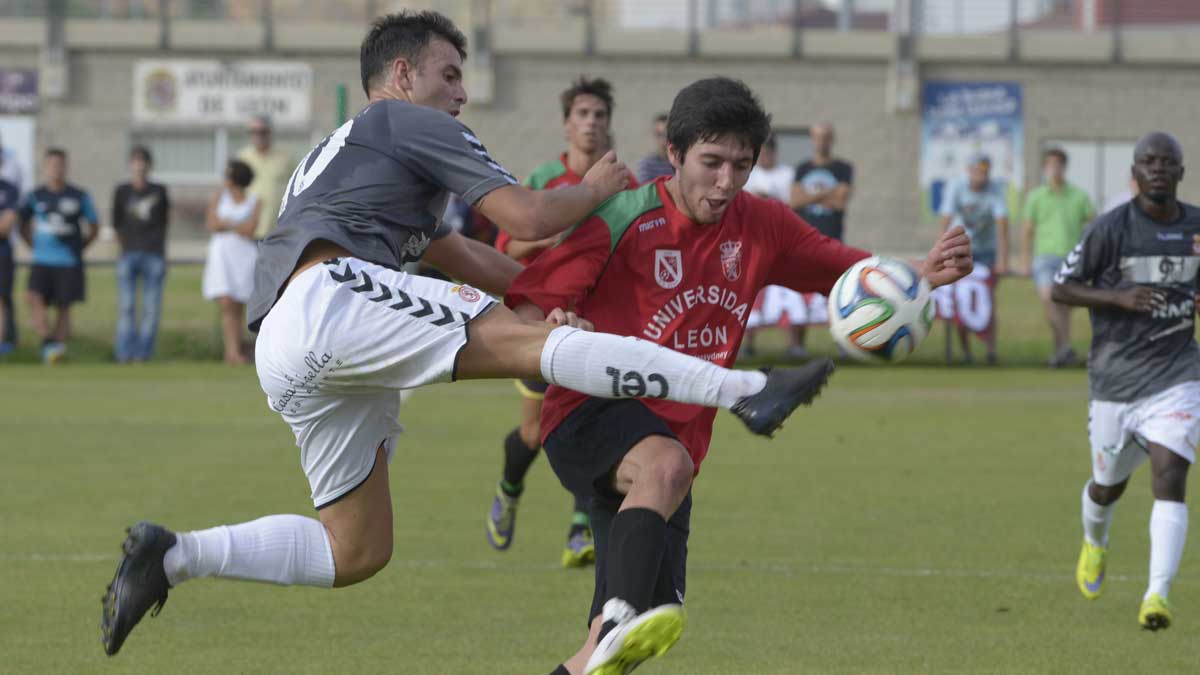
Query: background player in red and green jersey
{"points": [[678, 262], [587, 111]]}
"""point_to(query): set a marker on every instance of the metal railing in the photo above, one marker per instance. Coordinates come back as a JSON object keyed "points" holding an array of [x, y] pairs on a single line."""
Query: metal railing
{"points": [[696, 18]]}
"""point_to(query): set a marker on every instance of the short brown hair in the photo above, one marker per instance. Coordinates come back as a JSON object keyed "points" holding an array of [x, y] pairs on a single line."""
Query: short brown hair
{"points": [[599, 87]]}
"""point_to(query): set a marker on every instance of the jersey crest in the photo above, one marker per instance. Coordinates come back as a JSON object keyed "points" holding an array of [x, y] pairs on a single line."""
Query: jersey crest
{"points": [[731, 259], [668, 267]]}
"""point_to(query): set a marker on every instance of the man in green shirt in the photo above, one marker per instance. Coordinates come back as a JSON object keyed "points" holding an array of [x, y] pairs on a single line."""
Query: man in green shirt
{"points": [[1055, 215]]}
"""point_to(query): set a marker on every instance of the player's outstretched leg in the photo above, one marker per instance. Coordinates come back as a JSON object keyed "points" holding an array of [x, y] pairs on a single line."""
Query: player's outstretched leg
{"points": [[609, 366], [1168, 532], [351, 542]]}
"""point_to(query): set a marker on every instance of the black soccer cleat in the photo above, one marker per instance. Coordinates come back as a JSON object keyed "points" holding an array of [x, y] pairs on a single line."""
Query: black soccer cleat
{"points": [[139, 584], [787, 388]]}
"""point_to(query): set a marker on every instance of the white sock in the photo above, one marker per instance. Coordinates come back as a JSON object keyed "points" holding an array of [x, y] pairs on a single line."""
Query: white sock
{"points": [[1096, 519], [1168, 531], [282, 550], [610, 366]]}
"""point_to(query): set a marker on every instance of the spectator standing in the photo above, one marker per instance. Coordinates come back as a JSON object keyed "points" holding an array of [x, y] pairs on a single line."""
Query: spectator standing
{"points": [[272, 168], [140, 212], [980, 206], [233, 214], [656, 163], [53, 219], [770, 180], [10, 195], [821, 189], [1054, 216]]}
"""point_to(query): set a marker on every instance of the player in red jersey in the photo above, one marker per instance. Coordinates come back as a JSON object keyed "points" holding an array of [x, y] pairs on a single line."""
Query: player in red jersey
{"points": [[587, 111], [677, 262]]}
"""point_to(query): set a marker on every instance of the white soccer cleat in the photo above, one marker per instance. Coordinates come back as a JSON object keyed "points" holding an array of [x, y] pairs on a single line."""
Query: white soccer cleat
{"points": [[635, 638]]}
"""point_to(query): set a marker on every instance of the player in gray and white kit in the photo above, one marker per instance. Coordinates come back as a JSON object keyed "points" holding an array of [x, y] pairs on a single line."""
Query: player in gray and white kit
{"points": [[342, 331], [1136, 269]]}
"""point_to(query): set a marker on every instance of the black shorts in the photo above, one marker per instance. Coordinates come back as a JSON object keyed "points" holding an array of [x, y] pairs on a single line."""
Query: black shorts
{"points": [[59, 286], [584, 450]]}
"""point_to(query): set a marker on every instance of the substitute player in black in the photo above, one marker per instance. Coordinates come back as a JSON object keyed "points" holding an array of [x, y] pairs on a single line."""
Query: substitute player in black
{"points": [[342, 331], [1136, 270]]}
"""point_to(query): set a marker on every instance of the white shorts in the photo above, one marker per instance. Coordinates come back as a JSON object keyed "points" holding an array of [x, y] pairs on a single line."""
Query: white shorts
{"points": [[338, 347], [1120, 433]]}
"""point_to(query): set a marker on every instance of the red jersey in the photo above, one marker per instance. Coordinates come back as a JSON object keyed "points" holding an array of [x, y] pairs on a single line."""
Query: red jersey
{"points": [[547, 176], [639, 267]]}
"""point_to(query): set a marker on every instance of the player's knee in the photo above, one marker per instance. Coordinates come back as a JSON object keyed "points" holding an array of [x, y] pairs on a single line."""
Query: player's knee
{"points": [[674, 471], [354, 564], [1107, 494]]}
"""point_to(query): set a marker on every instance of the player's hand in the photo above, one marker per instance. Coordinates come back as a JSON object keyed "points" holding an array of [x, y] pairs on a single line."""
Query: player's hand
{"points": [[607, 176], [950, 259], [560, 317], [1141, 299]]}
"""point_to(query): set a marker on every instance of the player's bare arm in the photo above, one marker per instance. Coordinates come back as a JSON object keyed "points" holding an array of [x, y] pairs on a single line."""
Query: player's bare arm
{"points": [[93, 231], [537, 214], [1140, 299], [473, 263], [518, 250], [7, 218]]}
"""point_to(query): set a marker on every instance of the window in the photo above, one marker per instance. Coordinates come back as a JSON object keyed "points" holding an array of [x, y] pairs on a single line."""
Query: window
{"points": [[198, 156]]}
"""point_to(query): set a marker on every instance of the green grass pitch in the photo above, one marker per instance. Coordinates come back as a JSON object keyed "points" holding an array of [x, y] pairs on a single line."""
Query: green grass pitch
{"points": [[917, 519]]}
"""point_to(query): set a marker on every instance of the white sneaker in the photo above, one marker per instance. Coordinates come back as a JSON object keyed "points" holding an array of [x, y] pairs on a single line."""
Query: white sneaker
{"points": [[635, 638]]}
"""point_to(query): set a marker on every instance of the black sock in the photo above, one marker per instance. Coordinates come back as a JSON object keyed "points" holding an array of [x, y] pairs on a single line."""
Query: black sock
{"points": [[561, 670], [518, 457], [636, 544]]}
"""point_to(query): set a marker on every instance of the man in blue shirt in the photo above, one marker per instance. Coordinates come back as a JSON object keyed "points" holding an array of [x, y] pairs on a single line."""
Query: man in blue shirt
{"points": [[9, 196], [57, 221], [979, 205]]}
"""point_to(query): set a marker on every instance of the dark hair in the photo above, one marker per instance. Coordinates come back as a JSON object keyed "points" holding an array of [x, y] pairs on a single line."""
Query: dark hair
{"points": [[141, 151], [718, 106], [660, 117], [599, 87], [56, 152], [404, 35], [1055, 152], [240, 173]]}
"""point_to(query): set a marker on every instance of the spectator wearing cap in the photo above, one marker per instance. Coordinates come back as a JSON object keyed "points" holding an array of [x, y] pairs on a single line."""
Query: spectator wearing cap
{"points": [[140, 211], [978, 204], [272, 168]]}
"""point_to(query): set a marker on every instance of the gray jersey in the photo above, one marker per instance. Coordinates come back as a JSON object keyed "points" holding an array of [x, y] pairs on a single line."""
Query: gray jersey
{"points": [[377, 186], [1136, 355]]}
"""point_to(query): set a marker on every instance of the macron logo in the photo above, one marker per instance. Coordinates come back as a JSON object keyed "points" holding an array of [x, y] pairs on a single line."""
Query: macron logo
{"points": [[651, 224]]}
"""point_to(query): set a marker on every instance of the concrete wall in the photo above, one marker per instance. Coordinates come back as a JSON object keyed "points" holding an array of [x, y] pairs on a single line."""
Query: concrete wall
{"points": [[1068, 93]]}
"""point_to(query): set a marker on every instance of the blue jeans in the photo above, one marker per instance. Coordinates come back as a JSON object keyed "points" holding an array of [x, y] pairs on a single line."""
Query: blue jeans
{"points": [[135, 340]]}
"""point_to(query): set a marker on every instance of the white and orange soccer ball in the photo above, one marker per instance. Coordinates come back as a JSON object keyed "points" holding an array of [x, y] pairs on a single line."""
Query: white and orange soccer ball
{"points": [[880, 310]]}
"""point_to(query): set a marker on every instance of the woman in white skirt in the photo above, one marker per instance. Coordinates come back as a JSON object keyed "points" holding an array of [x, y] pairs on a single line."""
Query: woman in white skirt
{"points": [[229, 269]]}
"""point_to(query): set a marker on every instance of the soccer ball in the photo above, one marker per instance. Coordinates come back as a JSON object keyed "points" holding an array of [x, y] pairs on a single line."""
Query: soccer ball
{"points": [[880, 310]]}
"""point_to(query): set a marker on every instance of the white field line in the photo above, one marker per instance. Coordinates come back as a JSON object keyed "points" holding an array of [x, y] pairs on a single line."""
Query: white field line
{"points": [[696, 567]]}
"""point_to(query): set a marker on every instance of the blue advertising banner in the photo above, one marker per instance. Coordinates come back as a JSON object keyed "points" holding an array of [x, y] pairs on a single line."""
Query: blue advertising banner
{"points": [[961, 119]]}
